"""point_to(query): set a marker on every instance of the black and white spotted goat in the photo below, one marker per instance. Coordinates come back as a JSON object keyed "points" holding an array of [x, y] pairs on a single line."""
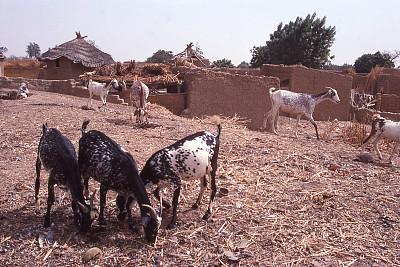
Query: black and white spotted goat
{"points": [[298, 104], [57, 154], [191, 158], [114, 168], [383, 128]]}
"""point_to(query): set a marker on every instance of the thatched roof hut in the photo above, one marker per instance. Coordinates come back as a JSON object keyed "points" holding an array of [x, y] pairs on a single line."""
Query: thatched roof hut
{"points": [[73, 58]]}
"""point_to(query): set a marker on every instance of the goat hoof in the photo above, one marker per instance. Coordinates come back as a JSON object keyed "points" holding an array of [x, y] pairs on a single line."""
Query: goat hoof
{"points": [[121, 216], [171, 226], [206, 216]]}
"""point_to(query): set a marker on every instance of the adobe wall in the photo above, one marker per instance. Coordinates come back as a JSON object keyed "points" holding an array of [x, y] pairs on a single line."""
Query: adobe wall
{"points": [[389, 83], [241, 71], [390, 103], [283, 72], [219, 93], [304, 80], [395, 72], [66, 70]]}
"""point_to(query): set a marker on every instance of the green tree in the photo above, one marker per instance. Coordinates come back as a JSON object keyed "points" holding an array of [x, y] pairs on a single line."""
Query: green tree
{"points": [[243, 65], [366, 62], [33, 50], [306, 41], [161, 56], [223, 63]]}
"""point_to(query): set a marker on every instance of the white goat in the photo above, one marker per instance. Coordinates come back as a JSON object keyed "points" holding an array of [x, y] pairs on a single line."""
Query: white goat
{"points": [[385, 128], [101, 89], [298, 104], [139, 95], [22, 91]]}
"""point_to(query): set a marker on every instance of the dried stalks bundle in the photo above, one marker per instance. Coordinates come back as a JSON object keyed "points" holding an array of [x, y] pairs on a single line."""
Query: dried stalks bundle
{"points": [[328, 129], [372, 79], [355, 132], [24, 64], [155, 69], [349, 71], [106, 70]]}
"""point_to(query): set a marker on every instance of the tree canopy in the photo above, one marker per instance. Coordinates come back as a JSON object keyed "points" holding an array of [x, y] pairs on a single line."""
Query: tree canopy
{"points": [[243, 65], [366, 62], [161, 56], [33, 50], [223, 63], [306, 41]]}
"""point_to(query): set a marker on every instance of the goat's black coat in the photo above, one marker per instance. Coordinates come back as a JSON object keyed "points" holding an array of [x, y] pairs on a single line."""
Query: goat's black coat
{"points": [[57, 154], [192, 157], [114, 168]]}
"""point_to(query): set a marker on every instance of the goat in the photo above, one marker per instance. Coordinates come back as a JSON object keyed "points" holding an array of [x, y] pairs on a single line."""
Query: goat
{"points": [[385, 128], [22, 91], [190, 158], [139, 94], [57, 154], [298, 104], [114, 168], [102, 89]]}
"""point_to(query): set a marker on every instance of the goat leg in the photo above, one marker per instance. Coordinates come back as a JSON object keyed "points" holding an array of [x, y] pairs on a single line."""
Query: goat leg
{"points": [[177, 191], [37, 185], [103, 194], [164, 202], [50, 200], [203, 185]]}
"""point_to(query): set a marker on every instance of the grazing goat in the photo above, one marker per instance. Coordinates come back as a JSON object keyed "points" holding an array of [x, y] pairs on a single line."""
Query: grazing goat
{"points": [[139, 95], [22, 91], [114, 168], [385, 128], [191, 158], [298, 104], [57, 154], [102, 89]]}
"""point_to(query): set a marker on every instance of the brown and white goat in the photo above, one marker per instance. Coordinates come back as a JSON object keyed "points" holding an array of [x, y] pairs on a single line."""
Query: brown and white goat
{"points": [[139, 94], [383, 128]]}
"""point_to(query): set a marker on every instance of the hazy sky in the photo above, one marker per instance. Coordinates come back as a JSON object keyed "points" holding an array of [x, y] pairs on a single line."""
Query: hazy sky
{"points": [[222, 28]]}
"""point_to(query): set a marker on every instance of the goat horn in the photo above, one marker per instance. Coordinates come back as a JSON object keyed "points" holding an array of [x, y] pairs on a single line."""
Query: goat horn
{"points": [[152, 211], [92, 199]]}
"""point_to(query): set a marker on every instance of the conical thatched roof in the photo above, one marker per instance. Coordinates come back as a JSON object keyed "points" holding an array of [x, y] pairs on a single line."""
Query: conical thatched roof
{"points": [[78, 50]]}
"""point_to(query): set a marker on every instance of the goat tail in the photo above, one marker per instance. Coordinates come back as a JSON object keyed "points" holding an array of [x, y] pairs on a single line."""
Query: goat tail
{"points": [[84, 125], [272, 89], [44, 128], [217, 120]]}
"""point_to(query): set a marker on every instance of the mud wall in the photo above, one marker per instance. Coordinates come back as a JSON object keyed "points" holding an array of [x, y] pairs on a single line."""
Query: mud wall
{"points": [[389, 83], [219, 93], [390, 103], [66, 70]]}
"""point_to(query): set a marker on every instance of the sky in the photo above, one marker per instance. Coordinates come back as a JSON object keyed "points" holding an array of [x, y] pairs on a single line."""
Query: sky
{"points": [[221, 28]]}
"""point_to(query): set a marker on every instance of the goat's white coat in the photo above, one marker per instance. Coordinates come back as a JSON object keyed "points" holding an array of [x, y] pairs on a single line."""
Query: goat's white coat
{"points": [[100, 89], [383, 128], [298, 104]]}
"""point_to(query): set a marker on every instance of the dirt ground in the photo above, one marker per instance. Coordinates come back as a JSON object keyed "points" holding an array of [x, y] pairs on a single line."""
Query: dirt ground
{"points": [[290, 202]]}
